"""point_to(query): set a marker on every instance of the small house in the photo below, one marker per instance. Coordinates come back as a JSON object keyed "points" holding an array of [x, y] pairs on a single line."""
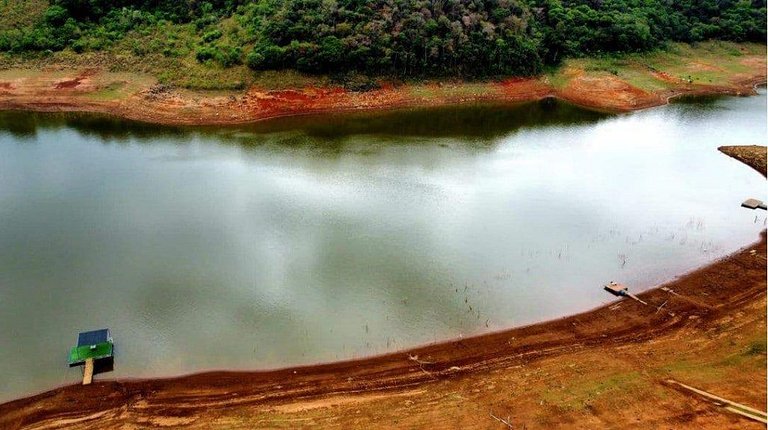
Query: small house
{"points": [[96, 344], [95, 350]]}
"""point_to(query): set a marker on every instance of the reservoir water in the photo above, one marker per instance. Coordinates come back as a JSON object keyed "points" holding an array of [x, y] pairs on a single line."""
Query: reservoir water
{"points": [[334, 237]]}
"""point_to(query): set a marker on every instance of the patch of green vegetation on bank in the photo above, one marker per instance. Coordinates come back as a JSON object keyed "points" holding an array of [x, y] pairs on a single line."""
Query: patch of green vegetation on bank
{"points": [[742, 356], [21, 14], [710, 63], [577, 395]]}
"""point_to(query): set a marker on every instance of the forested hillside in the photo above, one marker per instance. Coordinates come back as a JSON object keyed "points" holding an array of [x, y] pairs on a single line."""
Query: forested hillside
{"points": [[403, 38]]}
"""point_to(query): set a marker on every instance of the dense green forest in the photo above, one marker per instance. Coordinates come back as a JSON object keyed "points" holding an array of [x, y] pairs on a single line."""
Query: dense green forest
{"points": [[404, 38]]}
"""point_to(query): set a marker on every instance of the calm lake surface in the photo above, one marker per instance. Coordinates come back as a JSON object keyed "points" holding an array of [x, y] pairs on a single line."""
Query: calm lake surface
{"points": [[322, 238]]}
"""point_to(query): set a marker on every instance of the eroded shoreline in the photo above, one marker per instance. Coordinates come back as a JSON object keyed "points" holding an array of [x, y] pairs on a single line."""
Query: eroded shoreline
{"points": [[141, 98]]}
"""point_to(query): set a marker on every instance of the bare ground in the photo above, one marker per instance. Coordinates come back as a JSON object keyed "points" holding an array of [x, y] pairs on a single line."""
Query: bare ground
{"points": [[140, 97], [751, 155]]}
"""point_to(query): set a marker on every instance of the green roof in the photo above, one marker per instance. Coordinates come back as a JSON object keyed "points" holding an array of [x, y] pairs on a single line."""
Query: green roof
{"points": [[79, 354]]}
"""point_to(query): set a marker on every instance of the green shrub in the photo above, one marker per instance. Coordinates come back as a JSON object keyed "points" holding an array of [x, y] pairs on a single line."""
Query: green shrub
{"points": [[405, 38], [55, 15], [266, 57], [206, 53], [229, 56], [212, 35]]}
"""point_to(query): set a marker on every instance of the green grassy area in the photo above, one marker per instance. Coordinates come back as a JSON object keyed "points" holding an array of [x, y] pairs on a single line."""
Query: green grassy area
{"points": [[165, 51], [747, 355], [464, 90], [706, 63], [716, 365], [113, 91], [712, 62], [20, 13], [578, 395], [182, 72]]}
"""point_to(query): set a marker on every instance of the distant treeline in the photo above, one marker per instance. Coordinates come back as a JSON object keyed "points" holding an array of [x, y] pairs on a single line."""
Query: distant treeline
{"points": [[407, 38]]}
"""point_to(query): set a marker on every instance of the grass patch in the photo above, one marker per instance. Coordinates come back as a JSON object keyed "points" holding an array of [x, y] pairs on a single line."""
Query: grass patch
{"points": [[582, 395], [21, 13], [113, 91], [168, 53], [472, 89], [723, 366], [557, 78], [757, 347], [709, 63], [285, 79]]}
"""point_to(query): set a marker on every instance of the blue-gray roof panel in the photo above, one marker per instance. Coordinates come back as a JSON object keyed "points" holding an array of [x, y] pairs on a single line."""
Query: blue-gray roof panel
{"points": [[93, 337]]}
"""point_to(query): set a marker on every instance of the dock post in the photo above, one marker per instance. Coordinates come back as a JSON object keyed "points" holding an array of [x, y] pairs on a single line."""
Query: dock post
{"points": [[88, 371], [636, 298]]}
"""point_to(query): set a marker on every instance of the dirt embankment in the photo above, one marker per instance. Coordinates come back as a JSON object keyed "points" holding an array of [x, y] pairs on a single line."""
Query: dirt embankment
{"points": [[751, 155], [139, 97]]}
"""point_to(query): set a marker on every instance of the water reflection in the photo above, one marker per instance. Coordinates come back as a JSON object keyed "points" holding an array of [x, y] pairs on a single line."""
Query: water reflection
{"points": [[106, 128], [21, 125], [475, 124], [480, 121]]}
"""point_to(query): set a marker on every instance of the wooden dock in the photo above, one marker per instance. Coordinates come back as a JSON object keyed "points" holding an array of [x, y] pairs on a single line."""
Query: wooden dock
{"points": [[621, 291], [88, 371], [754, 204]]}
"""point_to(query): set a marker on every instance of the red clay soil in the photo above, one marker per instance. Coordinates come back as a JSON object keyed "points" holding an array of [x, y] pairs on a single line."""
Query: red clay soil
{"points": [[158, 104], [68, 83], [613, 94], [608, 92]]}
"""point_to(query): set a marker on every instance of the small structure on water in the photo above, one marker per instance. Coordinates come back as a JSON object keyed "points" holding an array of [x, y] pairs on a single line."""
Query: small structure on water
{"points": [[754, 204], [620, 291], [95, 350]]}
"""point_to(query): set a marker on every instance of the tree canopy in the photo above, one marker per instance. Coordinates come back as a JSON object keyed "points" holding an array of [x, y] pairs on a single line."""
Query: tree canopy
{"points": [[406, 38]]}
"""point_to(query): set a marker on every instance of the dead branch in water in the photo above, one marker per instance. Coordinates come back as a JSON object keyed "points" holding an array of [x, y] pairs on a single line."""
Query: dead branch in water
{"points": [[421, 363]]}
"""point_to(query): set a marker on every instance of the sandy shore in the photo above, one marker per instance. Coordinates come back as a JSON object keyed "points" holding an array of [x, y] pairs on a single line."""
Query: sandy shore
{"points": [[608, 367]]}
